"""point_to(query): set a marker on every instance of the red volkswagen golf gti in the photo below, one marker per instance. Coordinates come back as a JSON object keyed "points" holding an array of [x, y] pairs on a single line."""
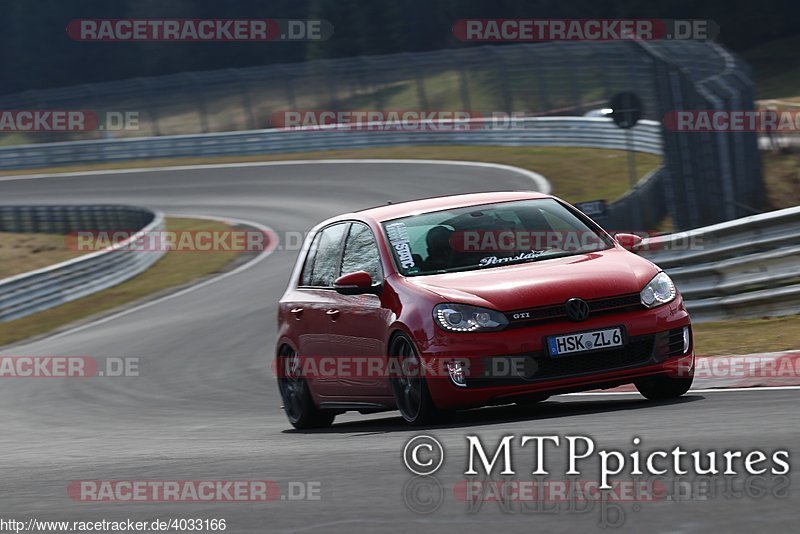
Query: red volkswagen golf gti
{"points": [[463, 301]]}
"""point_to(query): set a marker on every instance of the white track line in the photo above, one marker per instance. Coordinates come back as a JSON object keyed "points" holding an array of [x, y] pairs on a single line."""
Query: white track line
{"points": [[715, 390], [261, 257], [542, 185]]}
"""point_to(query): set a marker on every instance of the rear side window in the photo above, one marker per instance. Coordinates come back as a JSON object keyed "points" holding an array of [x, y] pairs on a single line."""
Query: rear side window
{"points": [[361, 253], [321, 269], [308, 267]]}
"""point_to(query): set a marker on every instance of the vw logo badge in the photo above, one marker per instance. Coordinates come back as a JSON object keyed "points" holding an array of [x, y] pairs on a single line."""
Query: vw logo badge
{"points": [[577, 309]]}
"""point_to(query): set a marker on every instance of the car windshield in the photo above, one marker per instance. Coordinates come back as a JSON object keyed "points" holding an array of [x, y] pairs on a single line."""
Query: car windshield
{"points": [[489, 235]]}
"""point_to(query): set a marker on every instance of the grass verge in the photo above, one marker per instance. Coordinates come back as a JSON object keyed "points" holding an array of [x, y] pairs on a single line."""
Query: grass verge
{"points": [[751, 336], [172, 270], [577, 174], [21, 253]]}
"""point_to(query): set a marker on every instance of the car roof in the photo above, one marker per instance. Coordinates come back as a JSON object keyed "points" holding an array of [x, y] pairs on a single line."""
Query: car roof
{"points": [[413, 207]]}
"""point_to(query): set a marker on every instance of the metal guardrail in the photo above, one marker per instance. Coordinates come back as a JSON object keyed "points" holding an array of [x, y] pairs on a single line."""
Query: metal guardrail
{"points": [[65, 219], [748, 267], [45, 288], [531, 131]]}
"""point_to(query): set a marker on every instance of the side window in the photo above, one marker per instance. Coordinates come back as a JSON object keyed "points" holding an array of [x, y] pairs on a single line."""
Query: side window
{"points": [[308, 266], [361, 253], [326, 260]]}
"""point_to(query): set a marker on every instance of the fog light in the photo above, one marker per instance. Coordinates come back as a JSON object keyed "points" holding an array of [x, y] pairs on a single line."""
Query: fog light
{"points": [[687, 339], [456, 371]]}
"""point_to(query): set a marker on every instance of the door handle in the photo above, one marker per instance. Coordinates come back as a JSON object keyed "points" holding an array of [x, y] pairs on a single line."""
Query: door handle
{"points": [[333, 314], [297, 312]]}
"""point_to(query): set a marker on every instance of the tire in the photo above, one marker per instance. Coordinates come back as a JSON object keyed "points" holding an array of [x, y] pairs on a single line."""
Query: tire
{"points": [[297, 402], [410, 392], [663, 387]]}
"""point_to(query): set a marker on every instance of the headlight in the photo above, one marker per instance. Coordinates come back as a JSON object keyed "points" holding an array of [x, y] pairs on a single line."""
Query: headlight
{"points": [[463, 318], [658, 291]]}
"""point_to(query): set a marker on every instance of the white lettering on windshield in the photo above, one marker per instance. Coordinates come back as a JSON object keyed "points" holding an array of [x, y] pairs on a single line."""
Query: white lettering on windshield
{"points": [[494, 260], [398, 237]]}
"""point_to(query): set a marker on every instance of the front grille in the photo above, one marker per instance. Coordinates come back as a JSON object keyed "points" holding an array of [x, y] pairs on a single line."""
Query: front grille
{"points": [[639, 351], [615, 302], [635, 353], [557, 311]]}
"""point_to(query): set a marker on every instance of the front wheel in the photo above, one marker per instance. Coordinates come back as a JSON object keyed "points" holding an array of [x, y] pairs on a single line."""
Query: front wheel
{"points": [[663, 387], [297, 402], [408, 385]]}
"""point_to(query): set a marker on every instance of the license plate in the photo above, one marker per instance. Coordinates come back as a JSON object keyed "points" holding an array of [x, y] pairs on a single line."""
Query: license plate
{"points": [[584, 341]]}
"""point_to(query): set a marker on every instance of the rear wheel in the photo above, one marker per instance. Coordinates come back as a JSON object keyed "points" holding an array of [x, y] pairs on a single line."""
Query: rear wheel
{"points": [[297, 402], [663, 387], [408, 385]]}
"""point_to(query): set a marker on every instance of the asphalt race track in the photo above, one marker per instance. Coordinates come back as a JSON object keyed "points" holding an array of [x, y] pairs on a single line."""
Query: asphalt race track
{"points": [[207, 407]]}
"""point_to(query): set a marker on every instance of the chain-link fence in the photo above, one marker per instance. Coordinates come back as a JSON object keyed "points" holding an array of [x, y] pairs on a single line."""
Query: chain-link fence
{"points": [[713, 175], [535, 79], [709, 177]]}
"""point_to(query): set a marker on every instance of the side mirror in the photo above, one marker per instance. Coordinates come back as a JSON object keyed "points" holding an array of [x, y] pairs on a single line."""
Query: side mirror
{"points": [[356, 283], [629, 241]]}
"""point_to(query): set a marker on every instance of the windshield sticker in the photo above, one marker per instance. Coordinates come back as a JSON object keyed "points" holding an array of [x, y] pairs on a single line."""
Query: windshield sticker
{"points": [[494, 260], [398, 237]]}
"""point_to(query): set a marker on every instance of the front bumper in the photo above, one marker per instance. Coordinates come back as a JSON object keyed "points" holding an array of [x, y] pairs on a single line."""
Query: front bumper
{"points": [[511, 364]]}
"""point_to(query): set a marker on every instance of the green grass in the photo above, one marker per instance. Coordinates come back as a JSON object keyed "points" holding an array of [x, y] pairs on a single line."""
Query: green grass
{"points": [[576, 174], [755, 336], [172, 270]]}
